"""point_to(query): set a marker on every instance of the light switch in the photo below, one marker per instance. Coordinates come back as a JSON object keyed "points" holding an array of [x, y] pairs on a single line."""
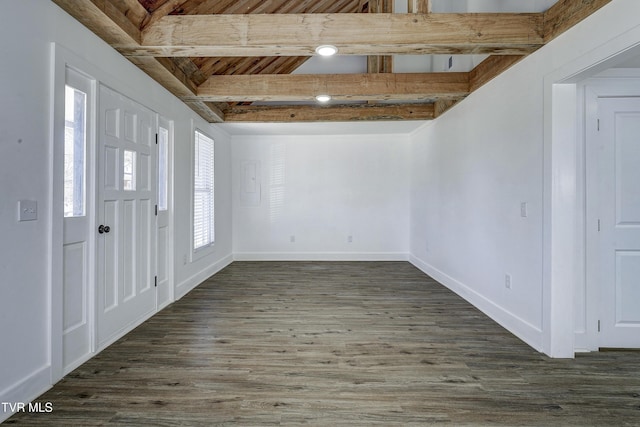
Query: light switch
{"points": [[523, 210], [27, 210]]}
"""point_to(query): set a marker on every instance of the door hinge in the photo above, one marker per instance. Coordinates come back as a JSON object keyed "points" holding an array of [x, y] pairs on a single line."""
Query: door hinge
{"points": [[155, 281], [598, 225], [598, 326], [157, 135], [598, 131], [156, 210]]}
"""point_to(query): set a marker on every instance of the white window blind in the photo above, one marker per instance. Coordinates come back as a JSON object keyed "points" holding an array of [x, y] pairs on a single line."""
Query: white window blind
{"points": [[203, 223]]}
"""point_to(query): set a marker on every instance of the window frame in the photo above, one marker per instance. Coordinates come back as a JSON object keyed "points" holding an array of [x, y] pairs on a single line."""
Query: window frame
{"points": [[198, 251], [164, 168], [76, 81]]}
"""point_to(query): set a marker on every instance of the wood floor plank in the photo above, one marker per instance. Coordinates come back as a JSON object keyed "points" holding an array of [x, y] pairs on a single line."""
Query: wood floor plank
{"points": [[335, 343]]}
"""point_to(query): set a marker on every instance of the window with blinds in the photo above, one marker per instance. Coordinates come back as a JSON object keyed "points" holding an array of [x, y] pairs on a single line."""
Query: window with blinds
{"points": [[203, 223]]}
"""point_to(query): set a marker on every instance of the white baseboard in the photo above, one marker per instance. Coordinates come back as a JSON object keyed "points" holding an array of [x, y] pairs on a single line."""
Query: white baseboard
{"points": [[520, 328], [190, 283], [26, 390], [320, 256], [123, 331]]}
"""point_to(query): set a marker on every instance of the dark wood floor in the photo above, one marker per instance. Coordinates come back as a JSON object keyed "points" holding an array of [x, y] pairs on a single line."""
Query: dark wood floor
{"points": [[330, 344]]}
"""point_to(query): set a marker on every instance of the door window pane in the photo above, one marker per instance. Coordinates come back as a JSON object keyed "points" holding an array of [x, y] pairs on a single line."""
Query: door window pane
{"points": [[75, 137], [129, 170], [163, 168]]}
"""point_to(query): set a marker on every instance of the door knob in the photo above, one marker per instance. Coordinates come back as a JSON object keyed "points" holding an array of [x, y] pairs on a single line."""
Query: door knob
{"points": [[104, 229]]}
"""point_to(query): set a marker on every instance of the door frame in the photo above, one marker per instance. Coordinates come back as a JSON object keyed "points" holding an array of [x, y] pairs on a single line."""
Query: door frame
{"points": [[62, 59], [615, 83], [80, 80], [170, 126], [563, 232]]}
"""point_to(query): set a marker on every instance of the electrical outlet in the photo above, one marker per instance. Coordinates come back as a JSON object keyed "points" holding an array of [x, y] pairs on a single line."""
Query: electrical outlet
{"points": [[507, 281], [292, 239], [524, 210], [350, 239], [27, 210]]}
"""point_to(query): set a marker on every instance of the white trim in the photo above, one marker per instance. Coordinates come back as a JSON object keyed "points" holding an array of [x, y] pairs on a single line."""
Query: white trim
{"points": [[197, 279], [616, 73], [124, 331], [196, 254], [61, 59], [171, 270], [26, 390], [320, 256], [612, 83], [562, 257], [55, 216], [522, 329], [560, 210]]}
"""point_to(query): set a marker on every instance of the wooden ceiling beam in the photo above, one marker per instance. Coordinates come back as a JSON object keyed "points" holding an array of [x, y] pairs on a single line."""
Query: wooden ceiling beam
{"points": [[380, 63], [206, 110], [169, 75], [163, 10], [104, 19], [133, 10], [481, 74], [566, 13], [340, 113], [443, 105], [419, 6], [352, 33], [490, 68], [112, 25], [346, 87]]}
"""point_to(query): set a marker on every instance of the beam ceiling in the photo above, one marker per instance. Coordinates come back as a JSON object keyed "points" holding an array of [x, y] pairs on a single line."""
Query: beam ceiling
{"points": [[345, 87], [352, 34], [219, 55]]}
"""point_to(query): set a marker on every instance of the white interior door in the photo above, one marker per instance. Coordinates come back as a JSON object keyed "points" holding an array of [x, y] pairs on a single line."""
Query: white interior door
{"points": [[126, 215], [165, 208], [619, 221], [77, 325]]}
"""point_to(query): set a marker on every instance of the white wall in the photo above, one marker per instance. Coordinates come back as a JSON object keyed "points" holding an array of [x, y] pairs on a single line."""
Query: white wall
{"points": [[321, 189], [26, 34], [504, 145], [192, 269], [470, 170]]}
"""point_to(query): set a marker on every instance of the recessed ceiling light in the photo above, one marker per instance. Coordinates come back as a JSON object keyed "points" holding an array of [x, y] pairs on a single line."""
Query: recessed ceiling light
{"points": [[323, 98], [326, 50]]}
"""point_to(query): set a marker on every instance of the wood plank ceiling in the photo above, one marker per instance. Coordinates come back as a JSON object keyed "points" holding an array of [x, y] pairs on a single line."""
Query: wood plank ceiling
{"points": [[222, 56]]}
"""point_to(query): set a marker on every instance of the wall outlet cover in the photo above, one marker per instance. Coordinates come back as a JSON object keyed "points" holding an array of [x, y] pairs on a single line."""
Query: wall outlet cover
{"points": [[27, 210]]}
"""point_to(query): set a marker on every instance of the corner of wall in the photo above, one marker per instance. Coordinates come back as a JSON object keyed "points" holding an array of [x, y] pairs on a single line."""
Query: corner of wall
{"points": [[193, 281], [520, 328], [26, 390]]}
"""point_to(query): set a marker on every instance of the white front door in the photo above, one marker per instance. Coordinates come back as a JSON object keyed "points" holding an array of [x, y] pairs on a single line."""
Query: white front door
{"points": [[618, 195], [126, 241], [77, 315]]}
